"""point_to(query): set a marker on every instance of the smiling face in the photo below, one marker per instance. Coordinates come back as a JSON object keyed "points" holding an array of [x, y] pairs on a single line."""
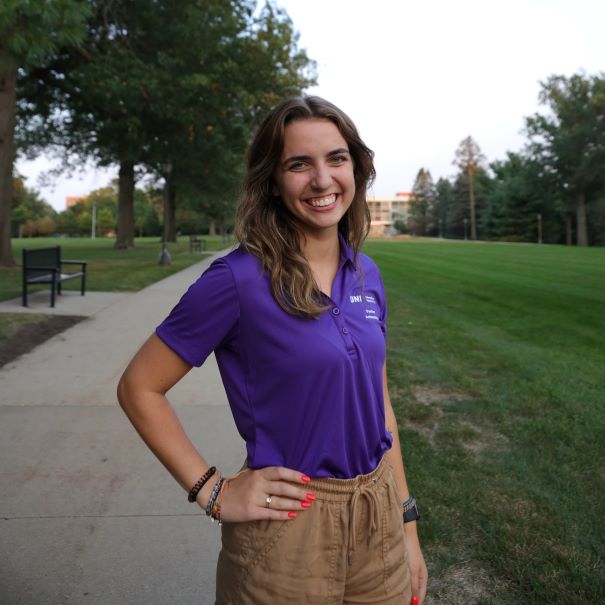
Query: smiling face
{"points": [[314, 177]]}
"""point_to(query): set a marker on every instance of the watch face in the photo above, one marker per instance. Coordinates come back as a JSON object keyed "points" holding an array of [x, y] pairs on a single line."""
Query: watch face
{"points": [[411, 515]]}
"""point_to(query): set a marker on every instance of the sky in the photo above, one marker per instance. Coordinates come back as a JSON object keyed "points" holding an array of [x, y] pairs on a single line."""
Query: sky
{"points": [[418, 77]]}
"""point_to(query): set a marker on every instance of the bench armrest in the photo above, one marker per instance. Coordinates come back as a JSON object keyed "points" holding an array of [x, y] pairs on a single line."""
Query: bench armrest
{"points": [[74, 262]]}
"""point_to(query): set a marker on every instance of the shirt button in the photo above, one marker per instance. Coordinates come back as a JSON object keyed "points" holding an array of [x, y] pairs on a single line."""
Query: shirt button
{"points": [[345, 331], [335, 311]]}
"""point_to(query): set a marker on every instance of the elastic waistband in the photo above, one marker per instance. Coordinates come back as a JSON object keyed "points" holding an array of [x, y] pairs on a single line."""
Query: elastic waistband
{"points": [[340, 490]]}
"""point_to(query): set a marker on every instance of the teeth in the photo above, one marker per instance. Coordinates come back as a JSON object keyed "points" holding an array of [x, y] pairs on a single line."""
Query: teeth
{"points": [[323, 201]]}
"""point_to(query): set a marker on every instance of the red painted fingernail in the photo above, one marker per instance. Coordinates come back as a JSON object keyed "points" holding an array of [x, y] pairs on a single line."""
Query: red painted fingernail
{"points": [[292, 514], [311, 497], [414, 600], [305, 479], [305, 504]]}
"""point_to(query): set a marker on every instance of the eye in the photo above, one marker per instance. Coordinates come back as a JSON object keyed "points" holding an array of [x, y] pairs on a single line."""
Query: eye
{"points": [[339, 159], [296, 166]]}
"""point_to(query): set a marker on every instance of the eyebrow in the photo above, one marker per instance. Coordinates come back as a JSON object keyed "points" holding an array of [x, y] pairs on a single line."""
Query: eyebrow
{"points": [[298, 158]]}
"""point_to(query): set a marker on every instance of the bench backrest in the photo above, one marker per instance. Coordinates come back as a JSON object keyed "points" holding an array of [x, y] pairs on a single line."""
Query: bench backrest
{"points": [[41, 257]]}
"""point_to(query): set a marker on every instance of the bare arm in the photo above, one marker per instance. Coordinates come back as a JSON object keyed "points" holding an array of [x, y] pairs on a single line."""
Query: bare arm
{"points": [[153, 371], [416, 562]]}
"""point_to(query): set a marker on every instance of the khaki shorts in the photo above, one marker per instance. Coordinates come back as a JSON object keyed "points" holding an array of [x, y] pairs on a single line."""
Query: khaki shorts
{"points": [[348, 547]]}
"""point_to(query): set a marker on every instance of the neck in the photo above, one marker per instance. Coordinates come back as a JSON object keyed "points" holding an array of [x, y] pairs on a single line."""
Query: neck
{"points": [[322, 248]]}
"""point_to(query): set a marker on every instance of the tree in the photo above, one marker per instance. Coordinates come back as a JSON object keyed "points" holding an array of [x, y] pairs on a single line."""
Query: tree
{"points": [[421, 217], [570, 141], [104, 198], [172, 88], [67, 222], [29, 32], [444, 200], [27, 206], [207, 144], [105, 222], [90, 103], [469, 160], [521, 191], [459, 210], [147, 206]]}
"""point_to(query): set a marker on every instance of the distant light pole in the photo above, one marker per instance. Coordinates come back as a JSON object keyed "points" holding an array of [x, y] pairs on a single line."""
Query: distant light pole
{"points": [[465, 227], [539, 228], [164, 258], [93, 229]]}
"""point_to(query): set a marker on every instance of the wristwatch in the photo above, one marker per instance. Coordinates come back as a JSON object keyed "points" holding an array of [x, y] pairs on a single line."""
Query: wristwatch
{"points": [[410, 510]]}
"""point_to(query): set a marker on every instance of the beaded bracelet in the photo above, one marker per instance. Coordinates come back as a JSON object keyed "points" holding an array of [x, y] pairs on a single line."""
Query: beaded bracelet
{"points": [[213, 496], [195, 490]]}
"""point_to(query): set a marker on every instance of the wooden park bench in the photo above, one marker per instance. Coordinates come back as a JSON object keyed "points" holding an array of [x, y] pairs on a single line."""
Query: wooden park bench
{"points": [[44, 266], [196, 244]]}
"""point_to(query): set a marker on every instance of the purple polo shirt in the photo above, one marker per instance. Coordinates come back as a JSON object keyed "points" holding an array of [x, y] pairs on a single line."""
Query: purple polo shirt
{"points": [[304, 393]]}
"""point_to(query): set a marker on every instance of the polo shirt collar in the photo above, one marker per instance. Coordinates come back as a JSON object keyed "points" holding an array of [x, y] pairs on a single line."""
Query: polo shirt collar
{"points": [[347, 254]]}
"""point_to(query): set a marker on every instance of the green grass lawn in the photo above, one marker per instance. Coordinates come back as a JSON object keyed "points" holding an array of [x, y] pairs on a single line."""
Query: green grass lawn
{"points": [[108, 269], [497, 375]]}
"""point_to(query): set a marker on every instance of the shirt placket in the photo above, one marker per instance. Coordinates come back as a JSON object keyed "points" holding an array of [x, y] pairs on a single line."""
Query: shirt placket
{"points": [[337, 313], [344, 331]]}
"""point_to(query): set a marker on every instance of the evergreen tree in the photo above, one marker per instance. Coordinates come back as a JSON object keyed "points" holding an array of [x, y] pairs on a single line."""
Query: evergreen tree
{"points": [[444, 201], [459, 217], [521, 196], [422, 215], [470, 160]]}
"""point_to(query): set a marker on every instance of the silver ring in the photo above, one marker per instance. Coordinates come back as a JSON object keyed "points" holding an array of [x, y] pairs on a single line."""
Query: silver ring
{"points": [[268, 501]]}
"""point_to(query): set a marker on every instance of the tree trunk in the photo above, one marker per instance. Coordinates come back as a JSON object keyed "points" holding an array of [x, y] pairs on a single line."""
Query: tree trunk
{"points": [[471, 195], [212, 229], [172, 213], [8, 84], [581, 229], [125, 235], [568, 239]]}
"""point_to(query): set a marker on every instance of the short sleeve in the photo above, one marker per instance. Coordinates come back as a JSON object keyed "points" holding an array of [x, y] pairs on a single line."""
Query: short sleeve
{"points": [[205, 318]]}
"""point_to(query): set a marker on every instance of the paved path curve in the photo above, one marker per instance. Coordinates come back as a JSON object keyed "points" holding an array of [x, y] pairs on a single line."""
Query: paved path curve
{"points": [[87, 514]]}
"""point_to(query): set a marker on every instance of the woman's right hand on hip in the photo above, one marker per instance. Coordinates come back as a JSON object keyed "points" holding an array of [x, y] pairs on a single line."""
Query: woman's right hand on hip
{"points": [[267, 493]]}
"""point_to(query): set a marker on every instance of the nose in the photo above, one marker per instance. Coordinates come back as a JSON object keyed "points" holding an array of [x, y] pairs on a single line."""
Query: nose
{"points": [[322, 178]]}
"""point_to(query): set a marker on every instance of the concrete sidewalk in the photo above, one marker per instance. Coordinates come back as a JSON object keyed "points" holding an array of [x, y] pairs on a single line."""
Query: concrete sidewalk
{"points": [[88, 515]]}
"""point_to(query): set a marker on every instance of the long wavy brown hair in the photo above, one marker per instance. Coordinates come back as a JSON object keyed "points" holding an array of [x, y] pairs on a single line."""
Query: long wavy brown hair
{"points": [[267, 229]]}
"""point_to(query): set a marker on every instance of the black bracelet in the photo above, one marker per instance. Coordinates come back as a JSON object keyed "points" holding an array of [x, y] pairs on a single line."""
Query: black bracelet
{"points": [[195, 490]]}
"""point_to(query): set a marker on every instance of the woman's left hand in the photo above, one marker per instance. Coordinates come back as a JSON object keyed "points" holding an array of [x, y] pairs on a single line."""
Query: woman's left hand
{"points": [[418, 571]]}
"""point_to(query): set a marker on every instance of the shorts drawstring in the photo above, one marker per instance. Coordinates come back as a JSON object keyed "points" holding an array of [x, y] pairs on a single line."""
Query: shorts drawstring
{"points": [[367, 491]]}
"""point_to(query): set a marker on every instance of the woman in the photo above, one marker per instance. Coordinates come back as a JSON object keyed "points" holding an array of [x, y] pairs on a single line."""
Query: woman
{"points": [[296, 318]]}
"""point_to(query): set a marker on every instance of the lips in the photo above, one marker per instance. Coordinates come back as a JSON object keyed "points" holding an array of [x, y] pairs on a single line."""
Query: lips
{"points": [[323, 202]]}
